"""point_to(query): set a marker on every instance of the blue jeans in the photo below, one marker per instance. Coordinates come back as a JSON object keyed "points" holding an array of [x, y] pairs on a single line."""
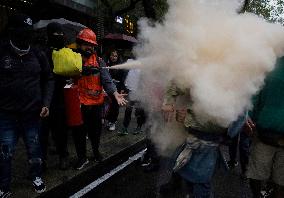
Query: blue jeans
{"points": [[11, 126], [200, 169], [241, 142]]}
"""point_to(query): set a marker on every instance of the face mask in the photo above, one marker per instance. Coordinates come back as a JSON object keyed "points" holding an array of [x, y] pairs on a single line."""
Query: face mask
{"points": [[85, 53], [56, 41], [21, 39]]}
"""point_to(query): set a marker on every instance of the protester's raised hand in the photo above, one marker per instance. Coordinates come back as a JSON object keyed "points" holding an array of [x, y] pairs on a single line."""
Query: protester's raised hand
{"points": [[180, 115], [168, 112]]}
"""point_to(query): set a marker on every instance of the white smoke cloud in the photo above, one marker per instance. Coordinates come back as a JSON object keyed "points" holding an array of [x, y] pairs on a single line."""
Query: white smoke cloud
{"points": [[206, 46], [222, 56]]}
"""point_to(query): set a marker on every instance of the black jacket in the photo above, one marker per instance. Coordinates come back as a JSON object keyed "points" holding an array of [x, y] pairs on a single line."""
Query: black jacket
{"points": [[26, 82], [118, 75], [57, 101]]}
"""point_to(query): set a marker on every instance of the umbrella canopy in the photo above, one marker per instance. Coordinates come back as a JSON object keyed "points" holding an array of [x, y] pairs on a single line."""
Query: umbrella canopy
{"points": [[121, 37], [118, 41], [70, 28]]}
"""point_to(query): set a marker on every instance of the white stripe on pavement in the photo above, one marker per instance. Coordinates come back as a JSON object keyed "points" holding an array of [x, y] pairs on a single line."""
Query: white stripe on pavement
{"points": [[105, 177]]}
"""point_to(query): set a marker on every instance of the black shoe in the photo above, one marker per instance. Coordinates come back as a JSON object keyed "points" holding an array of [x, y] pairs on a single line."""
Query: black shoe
{"points": [[232, 164], [138, 130], [81, 163], [39, 185], [98, 157], [5, 194], [63, 163]]}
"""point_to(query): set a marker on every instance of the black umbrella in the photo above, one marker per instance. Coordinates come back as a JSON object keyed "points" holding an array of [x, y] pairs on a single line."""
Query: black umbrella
{"points": [[70, 28]]}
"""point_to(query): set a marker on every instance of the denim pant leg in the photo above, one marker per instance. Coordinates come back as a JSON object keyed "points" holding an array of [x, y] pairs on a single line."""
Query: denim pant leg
{"points": [[202, 190], [244, 148], [31, 134], [8, 140]]}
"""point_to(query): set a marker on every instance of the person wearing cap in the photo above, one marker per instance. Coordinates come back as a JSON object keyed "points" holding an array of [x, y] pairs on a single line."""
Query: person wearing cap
{"points": [[26, 85], [56, 122], [95, 77]]}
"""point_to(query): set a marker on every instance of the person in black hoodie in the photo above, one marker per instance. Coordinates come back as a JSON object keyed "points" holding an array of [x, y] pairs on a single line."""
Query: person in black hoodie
{"points": [[56, 122], [118, 77], [26, 86]]}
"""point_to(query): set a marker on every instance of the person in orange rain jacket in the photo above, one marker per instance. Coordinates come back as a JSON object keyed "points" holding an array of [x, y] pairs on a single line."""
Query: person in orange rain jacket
{"points": [[95, 77]]}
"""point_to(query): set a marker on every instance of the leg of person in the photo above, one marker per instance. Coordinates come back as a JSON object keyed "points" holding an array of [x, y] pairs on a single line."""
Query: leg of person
{"points": [[202, 190], [255, 186], [260, 165], [200, 169], [44, 136], [31, 133], [113, 113], [79, 137], [233, 150], [141, 119], [60, 131], [127, 118], [244, 149], [278, 172], [8, 140], [94, 128], [152, 160]]}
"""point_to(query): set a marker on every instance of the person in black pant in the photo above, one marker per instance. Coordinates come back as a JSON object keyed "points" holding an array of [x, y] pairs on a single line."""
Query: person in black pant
{"points": [[94, 78], [56, 123], [26, 86], [241, 142], [140, 118], [118, 77]]}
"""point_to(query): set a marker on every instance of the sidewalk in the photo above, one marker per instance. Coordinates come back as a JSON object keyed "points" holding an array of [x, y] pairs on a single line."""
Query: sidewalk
{"points": [[111, 145]]}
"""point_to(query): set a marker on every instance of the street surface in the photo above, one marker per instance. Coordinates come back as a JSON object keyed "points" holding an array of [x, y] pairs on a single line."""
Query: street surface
{"points": [[133, 182]]}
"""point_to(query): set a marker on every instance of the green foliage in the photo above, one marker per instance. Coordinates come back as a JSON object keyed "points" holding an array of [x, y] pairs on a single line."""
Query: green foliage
{"points": [[271, 10], [161, 7]]}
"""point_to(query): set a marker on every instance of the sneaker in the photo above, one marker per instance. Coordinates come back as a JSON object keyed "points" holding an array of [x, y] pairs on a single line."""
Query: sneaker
{"points": [[81, 163], [232, 164], [5, 194], [266, 194], [123, 132], [137, 131], [39, 185], [111, 127]]}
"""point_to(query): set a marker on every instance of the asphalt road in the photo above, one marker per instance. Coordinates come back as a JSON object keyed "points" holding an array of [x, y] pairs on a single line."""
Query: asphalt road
{"points": [[134, 182]]}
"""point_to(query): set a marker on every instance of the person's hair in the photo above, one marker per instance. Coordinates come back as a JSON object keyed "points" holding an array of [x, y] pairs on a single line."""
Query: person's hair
{"points": [[119, 57]]}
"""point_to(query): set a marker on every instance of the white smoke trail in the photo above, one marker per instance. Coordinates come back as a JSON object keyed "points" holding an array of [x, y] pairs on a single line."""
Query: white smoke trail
{"points": [[220, 55]]}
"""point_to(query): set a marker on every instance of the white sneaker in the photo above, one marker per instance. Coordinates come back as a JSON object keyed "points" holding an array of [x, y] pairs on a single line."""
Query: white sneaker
{"points": [[39, 185], [5, 194], [111, 127]]}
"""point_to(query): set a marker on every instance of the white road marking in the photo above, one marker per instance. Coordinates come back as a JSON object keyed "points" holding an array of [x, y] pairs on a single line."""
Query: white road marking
{"points": [[105, 177]]}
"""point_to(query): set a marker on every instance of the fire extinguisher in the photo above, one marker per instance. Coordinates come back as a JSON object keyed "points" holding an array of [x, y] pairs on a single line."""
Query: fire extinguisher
{"points": [[72, 105]]}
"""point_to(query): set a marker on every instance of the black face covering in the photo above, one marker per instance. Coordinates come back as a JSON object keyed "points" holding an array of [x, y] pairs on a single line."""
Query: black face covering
{"points": [[21, 39], [56, 41], [85, 53]]}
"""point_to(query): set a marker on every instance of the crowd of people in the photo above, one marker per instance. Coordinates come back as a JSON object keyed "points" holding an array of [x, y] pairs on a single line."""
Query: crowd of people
{"points": [[33, 105], [33, 101]]}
